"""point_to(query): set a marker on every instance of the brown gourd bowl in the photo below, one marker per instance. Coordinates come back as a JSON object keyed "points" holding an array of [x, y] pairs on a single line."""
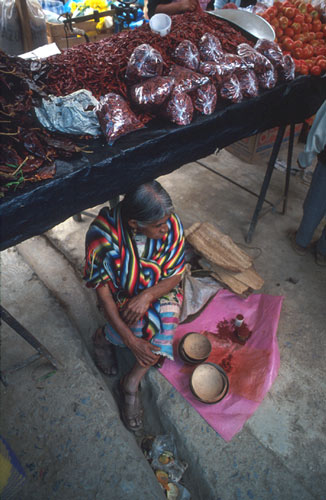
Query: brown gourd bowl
{"points": [[209, 383], [194, 348]]}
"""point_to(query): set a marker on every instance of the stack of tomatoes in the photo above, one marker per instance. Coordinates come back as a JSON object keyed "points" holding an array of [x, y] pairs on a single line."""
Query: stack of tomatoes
{"points": [[300, 32]]}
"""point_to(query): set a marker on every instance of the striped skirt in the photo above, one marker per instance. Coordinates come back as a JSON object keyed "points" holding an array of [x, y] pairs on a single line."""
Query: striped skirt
{"points": [[170, 306]]}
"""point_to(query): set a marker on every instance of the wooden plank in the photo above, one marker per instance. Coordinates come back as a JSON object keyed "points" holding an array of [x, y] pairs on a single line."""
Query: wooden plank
{"points": [[25, 22]]}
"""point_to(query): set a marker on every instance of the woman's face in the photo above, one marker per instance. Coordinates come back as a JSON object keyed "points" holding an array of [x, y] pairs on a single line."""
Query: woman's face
{"points": [[155, 230]]}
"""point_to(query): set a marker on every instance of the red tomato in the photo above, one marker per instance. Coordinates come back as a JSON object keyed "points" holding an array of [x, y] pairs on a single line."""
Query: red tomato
{"points": [[307, 18], [298, 44], [289, 32], [289, 12], [305, 28], [275, 22], [323, 29], [278, 5], [314, 14], [304, 70], [302, 7], [296, 27], [279, 32], [315, 70], [283, 22], [299, 18], [309, 48], [316, 25], [299, 36], [319, 35], [310, 63], [312, 35], [309, 7], [297, 53], [288, 43], [322, 65]]}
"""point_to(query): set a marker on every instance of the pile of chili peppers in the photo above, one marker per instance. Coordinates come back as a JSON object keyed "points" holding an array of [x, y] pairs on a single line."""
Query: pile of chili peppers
{"points": [[101, 67], [27, 150]]}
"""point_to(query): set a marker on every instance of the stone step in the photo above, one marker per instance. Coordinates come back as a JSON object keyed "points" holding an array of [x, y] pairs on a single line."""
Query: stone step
{"points": [[64, 426]]}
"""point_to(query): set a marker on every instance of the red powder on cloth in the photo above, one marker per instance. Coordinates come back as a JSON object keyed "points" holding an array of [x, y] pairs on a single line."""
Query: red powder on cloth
{"points": [[238, 360]]}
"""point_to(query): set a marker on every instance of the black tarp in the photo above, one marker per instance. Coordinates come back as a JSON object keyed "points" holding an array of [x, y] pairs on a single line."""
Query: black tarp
{"points": [[146, 154]]}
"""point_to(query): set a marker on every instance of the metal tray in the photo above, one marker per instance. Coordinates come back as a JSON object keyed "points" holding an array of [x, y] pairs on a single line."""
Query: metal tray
{"points": [[247, 21]]}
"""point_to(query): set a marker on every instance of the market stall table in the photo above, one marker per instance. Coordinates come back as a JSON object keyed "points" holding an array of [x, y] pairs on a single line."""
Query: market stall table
{"points": [[146, 154]]}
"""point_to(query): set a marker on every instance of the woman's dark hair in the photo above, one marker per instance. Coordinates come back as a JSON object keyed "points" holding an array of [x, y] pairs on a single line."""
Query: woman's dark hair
{"points": [[146, 204]]}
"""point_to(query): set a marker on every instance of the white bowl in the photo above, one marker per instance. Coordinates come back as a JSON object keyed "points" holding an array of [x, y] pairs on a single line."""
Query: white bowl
{"points": [[160, 24]]}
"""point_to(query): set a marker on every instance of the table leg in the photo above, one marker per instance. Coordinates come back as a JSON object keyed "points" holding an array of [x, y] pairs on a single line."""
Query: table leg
{"points": [[268, 175], [288, 168], [26, 335]]}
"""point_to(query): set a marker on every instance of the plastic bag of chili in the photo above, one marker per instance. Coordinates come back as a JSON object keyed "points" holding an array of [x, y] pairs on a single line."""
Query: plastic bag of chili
{"points": [[230, 89], [151, 93], [144, 62], [204, 98], [186, 54], [115, 117], [248, 83], [179, 108], [210, 48], [187, 80]]}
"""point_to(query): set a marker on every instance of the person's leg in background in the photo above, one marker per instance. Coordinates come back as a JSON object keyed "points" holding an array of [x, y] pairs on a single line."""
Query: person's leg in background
{"points": [[314, 209]]}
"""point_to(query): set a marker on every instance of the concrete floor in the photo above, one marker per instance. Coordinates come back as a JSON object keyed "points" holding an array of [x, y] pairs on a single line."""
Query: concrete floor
{"points": [[65, 427]]}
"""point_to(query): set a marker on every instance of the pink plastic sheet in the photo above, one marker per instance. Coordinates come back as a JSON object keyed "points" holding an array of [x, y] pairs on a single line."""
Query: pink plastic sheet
{"points": [[253, 366]]}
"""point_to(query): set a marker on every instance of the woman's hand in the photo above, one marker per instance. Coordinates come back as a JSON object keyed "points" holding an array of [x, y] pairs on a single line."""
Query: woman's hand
{"points": [[136, 307], [143, 351]]}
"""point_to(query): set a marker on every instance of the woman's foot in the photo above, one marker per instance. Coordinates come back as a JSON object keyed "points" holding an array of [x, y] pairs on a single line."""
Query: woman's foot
{"points": [[131, 407], [104, 353]]}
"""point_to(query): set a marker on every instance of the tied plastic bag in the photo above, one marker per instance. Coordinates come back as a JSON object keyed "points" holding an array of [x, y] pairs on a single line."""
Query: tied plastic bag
{"points": [[204, 98], [187, 80], [152, 93], [230, 89], [284, 65], [248, 83], [179, 109], [186, 54], [115, 117], [144, 62], [210, 48], [263, 68], [71, 114]]}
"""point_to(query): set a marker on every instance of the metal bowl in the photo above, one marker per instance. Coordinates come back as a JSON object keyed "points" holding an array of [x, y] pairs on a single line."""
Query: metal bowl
{"points": [[194, 348], [247, 21], [209, 383]]}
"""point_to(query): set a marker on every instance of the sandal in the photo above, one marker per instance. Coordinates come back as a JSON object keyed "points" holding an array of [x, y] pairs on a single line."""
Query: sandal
{"points": [[104, 354], [131, 408]]}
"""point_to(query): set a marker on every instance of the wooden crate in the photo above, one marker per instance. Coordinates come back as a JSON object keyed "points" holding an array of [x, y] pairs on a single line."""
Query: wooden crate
{"points": [[56, 33]]}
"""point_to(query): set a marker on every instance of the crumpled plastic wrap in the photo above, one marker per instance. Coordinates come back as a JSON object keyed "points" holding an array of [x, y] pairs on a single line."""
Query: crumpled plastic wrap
{"points": [[115, 117], [187, 80], [152, 93], [210, 48], [186, 54], [144, 62], [286, 72], [204, 98], [196, 294], [179, 108], [164, 456], [230, 89], [252, 367], [71, 114]]}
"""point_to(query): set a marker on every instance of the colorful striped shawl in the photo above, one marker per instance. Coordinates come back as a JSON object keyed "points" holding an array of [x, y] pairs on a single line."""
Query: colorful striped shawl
{"points": [[111, 256]]}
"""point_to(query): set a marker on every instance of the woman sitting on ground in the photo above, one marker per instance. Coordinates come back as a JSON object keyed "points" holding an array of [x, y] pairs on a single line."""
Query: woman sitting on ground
{"points": [[135, 261]]}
